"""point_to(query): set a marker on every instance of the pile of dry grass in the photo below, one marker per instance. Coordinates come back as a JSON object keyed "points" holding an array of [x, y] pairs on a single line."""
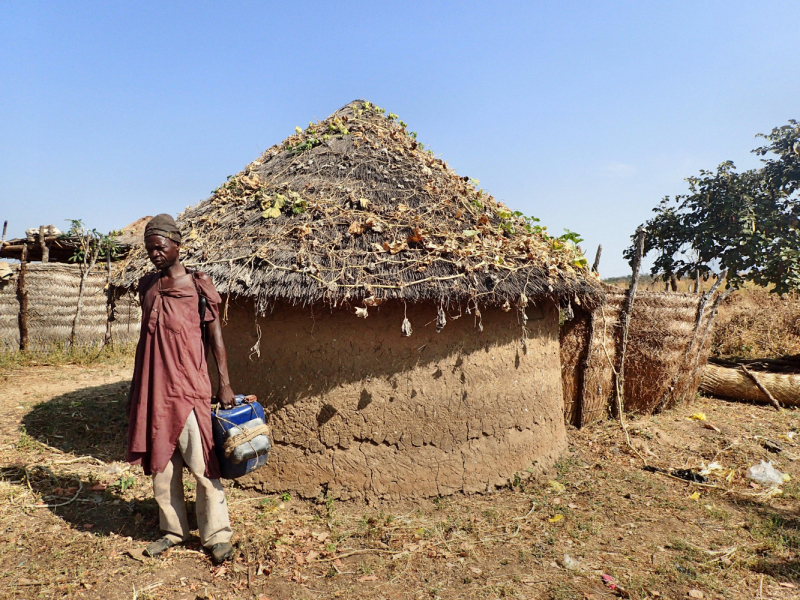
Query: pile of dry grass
{"points": [[754, 323], [354, 208]]}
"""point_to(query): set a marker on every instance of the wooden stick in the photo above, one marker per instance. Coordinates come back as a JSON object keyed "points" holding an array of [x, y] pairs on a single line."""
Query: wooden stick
{"points": [[22, 298], [760, 386], [701, 309], [625, 319], [43, 245], [109, 340], [597, 258], [709, 324], [585, 361]]}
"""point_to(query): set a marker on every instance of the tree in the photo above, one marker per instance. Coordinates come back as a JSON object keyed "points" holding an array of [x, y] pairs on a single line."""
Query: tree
{"points": [[91, 246], [747, 222]]}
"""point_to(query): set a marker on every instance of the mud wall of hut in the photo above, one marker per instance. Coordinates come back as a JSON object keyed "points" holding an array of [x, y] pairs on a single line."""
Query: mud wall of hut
{"points": [[358, 411], [662, 364], [52, 300]]}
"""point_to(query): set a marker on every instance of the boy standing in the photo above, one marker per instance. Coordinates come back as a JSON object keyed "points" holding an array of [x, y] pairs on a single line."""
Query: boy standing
{"points": [[169, 408]]}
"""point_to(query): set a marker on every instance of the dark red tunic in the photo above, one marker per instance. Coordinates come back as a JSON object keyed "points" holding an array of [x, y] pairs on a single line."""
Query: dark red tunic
{"points": [[170, 378]]}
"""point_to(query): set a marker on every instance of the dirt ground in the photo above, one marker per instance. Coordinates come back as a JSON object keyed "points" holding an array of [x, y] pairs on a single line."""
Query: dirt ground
{"points": [[74, 518]]}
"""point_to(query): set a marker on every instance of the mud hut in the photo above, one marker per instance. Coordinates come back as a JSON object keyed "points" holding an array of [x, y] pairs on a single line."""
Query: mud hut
{"points": [[399, 324], [669, 342]]}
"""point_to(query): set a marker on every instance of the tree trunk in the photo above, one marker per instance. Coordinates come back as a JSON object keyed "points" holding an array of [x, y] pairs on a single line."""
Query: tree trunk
{"points": [[673, 282], [22, 297]]}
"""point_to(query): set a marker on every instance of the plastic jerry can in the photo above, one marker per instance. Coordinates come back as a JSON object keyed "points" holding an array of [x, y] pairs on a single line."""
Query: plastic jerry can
{"points": [[226, 423]]}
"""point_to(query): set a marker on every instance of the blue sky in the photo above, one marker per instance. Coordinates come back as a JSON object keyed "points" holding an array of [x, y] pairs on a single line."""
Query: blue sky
{"points": [[583, 114]]}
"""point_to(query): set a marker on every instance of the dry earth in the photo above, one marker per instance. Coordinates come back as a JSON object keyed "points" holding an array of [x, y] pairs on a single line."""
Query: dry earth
{"points": [[73, 518]]}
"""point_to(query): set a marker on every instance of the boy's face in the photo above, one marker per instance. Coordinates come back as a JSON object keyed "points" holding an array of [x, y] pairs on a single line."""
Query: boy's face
{"points": [[163, 252]]}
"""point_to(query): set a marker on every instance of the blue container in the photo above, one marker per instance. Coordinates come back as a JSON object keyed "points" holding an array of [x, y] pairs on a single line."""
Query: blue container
{"points": [[222, 421]]}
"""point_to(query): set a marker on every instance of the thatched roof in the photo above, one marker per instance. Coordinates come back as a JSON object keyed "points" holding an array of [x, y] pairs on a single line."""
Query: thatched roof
{"points": [[352, 208]]}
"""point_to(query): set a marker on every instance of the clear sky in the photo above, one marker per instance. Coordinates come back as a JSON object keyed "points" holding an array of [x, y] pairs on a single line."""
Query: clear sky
{"points": [[584, 114]]}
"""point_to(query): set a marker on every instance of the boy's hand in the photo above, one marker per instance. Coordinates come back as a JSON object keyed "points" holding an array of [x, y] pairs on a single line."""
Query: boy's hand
{"points": [[226, 396]]}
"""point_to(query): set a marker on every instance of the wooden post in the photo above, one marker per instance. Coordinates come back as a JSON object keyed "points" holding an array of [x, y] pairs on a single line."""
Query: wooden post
{"points": [[109, 340], [596, 264], [701, 310], [585, 362], [22, 298], [5, 228], [625, 319], [709, 324], [43, 245]]}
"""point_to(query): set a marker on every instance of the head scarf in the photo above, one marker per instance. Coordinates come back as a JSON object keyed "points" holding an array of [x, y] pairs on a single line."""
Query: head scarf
{"points": [[165, 226]]}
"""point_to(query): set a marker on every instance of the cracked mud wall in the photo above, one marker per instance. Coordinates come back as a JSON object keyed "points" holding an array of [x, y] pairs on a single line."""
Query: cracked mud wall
{"points": [[358, 411]]}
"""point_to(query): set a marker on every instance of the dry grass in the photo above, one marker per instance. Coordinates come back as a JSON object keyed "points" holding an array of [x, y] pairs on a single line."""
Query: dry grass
{"points": [[60, 354], [62, 436], [754, 323]]}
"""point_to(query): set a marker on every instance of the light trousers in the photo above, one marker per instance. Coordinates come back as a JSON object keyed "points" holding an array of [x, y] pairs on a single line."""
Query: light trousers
{"points": [[211, 507]]}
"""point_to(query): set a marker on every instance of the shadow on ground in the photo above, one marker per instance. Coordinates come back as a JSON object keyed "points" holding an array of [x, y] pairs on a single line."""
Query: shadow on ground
{"points": [[79, 500], [90, 422], [87, 422]]}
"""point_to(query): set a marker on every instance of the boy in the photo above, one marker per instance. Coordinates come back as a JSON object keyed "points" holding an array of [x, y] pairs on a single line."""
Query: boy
{"points": [[169, 408]]}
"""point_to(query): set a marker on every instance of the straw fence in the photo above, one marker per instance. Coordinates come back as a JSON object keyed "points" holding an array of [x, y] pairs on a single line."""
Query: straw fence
{"points": [[663, 360], [52, 300]]}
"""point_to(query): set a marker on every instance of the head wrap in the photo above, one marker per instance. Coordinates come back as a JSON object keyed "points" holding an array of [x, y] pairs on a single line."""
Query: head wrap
{"points": [[165, 226]]}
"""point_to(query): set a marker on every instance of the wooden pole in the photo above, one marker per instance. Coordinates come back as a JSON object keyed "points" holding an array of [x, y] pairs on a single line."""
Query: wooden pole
{"points": [[109, 297], [625, 319], [22, 298], [701, 309], [5, 228], [43, 245], [596, 264], [585, 362]]}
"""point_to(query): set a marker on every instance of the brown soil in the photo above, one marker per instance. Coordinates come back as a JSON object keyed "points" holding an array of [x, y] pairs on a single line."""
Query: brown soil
{"points": [[658, 537]]}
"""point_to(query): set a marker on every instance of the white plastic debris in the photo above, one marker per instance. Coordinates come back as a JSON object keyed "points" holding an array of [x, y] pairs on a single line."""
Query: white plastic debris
{"points": [[405, 328], [765, 474], [714, 466], [570, 563]]}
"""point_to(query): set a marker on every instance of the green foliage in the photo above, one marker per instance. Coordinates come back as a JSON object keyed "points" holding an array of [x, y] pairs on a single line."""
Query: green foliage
{"points": [[273, 205], [126, 482], [92, 242], [747, 222]]}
